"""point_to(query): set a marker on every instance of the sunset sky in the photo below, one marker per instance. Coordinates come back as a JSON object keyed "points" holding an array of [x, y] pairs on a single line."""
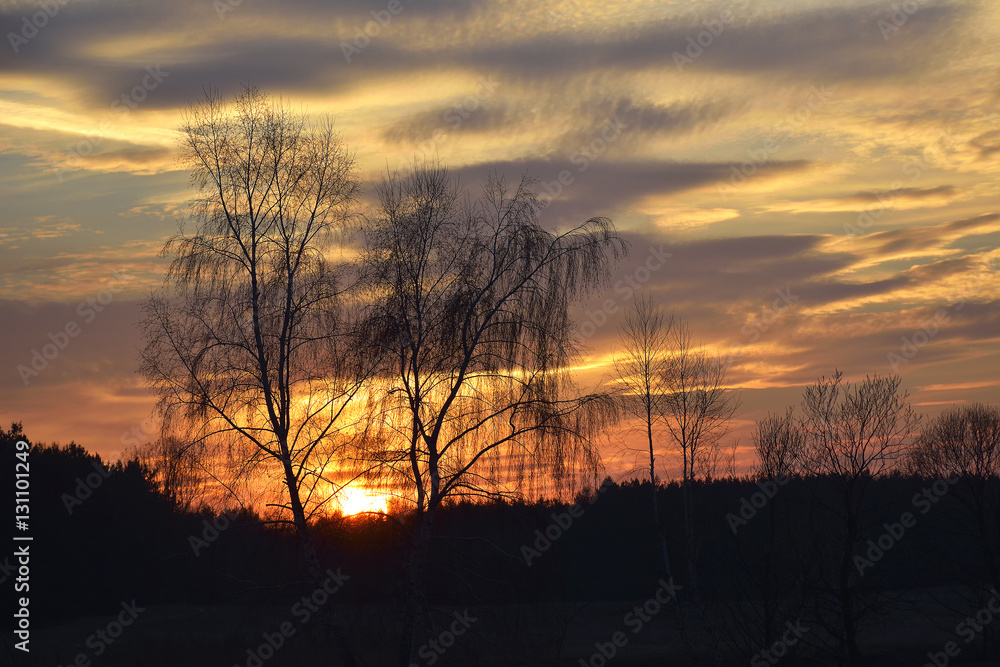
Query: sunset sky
{"points": [[839, 160]]}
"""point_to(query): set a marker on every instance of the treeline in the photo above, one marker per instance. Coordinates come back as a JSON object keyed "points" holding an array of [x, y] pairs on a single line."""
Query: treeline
{"points": [[767, 555]]}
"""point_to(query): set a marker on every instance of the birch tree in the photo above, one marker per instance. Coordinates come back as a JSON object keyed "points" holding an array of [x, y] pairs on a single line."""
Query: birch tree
{"points": [[248, 342]]}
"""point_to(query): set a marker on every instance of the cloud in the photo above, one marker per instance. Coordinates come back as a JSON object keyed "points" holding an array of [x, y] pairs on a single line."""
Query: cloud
{"points": [[987, 144], [475, 118], [959, 386], [600, 186], [820, 44], [902, 198], [915, 241], [682, 218], [69, 276], [41, 228]]}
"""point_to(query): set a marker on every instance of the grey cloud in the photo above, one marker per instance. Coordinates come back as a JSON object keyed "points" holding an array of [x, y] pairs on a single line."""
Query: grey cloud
{"points": [[864, 199], [463, 116], [928, 236], [819, 45], [602, 187], [639, 120]]}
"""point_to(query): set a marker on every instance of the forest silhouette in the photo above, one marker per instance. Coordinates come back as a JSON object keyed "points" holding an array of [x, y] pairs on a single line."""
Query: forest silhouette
{"points": [[545, 582]]}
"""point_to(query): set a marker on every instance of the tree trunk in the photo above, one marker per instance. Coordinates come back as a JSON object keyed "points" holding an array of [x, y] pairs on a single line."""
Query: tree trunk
{"points": [[846, 595], [688, 503], [677, 611], [415, 598], [313, 566]]}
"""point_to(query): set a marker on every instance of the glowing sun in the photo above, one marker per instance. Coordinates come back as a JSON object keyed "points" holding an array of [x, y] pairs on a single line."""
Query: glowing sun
{"points": [[357, 500]]}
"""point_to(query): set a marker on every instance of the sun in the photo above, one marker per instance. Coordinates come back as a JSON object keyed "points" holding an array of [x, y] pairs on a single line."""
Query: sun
{"points": [[357, 500]]}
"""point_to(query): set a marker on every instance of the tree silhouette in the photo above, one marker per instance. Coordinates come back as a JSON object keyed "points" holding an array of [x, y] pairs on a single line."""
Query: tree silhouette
{"points": [[779, 443], [471, 309], [641, 369], [853, 434], [642, 366], [247, 343], [696, 407], [963, 444]]}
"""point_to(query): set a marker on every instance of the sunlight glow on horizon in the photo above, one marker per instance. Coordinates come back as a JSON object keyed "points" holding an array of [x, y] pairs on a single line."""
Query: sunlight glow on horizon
{"points": [[356, 500]]}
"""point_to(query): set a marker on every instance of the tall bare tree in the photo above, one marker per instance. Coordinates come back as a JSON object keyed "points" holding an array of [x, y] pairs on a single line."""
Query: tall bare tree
{"points": [[641, 366], [854, 432], [697, 403], [696, 408], [471, 307], [246, 344]]}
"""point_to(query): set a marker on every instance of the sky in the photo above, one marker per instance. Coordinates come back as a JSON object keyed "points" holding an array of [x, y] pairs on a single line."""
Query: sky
{"points": [[811, 185]]}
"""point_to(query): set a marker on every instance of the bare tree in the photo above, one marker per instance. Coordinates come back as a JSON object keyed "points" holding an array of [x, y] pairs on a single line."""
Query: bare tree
{"points": [[779, 443], [246, 344], [641, 370], [696, 408], [697, 404], [854, 432], [472, 308], [963, 444], [176, 464]]}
